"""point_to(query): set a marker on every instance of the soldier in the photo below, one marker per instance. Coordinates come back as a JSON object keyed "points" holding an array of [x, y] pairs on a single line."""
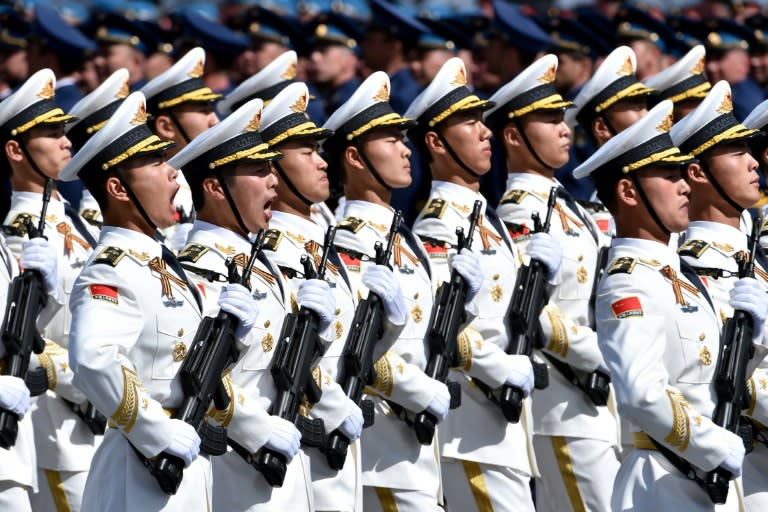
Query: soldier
{"points": [[134, 314], [14, 67], [575, 438], [91, 114], [36, 149], [724, 183], [292, 234], [367, 145], [182, 108], [662, 386], [487, 461], [233, 199], [122, 44], [684, 83]]}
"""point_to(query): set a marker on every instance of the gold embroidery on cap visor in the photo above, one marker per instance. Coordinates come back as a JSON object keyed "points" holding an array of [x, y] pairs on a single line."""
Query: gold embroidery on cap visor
{"points": [[391, 119], [307, 129], [257, 153], [737, 132], [467, 103], [53, 116], [200, 95], [151, 144], [554, 102], [636, 89], [700, 91], [667, 156]]}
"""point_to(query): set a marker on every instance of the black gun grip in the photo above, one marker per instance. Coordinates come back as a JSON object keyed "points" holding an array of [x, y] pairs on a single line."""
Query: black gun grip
{"points": [[746, 432], [336, 451], [424, 426], [9, 428], [368, 415], [540, 375], [597, 387], [454, 389], [511, 402], [94, 420], [168, 470], [272, 466], [37, 381], [717, 485], [213, 439]]}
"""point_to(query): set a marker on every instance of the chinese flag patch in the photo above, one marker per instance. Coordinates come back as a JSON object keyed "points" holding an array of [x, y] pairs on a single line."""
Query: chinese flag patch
{"points": [[627, 307], [352, 263], [436, 250], [517, 230], [104, 292], [603, 225]]}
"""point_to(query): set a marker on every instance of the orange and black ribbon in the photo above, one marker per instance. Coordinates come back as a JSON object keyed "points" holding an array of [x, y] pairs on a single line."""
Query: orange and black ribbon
{"points": [[313, 249], [241, 260], [677, 284], [566, 220], [158, 265], [69, 237], [400, 251], [486, 235]]}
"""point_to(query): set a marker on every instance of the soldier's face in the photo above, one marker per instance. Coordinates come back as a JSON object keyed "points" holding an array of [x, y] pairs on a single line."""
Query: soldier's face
{"points": [[668, 193], [328, 62], [253, 187], [306, 170], [153, 182], [625, 113], [195, 118], [549, 136], [49, 147], [389, 156], [735, 170], [470, 139], [428, 64]]}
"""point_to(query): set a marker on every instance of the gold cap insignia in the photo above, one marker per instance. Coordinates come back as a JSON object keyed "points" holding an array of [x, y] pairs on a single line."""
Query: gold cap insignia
{"points": [[666, 123], [197, 70], [47, 91], [141, 115], [383, 93], [321, 30], [549, 76], [714, 39], [698, 68], [300, 105], [254, 27], [626, 68], [254, 123], [460, 78], [290, 71], [123, 91], [726, 105]]}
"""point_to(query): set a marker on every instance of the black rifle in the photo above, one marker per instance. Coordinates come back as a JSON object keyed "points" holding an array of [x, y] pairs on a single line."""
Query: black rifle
{"points": [[212, 351], [297, 350], [597, 386], [731, 376], [528, 299], [357, 357], [448, 314], [27, 297]]}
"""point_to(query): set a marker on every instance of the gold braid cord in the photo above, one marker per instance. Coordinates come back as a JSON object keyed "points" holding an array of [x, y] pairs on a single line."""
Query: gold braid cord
{"points": [[558, 344], [384, 378]]}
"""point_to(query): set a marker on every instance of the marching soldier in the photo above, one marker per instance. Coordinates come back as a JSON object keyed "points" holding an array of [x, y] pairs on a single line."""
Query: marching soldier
{"points": [[724, 183], [656, 325], [134, 313], [228, 169], [292, 234], [487, 461], [36, 149], [367, 145], [575, 438], [684, 83]]}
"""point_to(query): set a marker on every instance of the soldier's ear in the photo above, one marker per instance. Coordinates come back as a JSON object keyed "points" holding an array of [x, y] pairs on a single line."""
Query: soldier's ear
{"points": [[13, 151], [694, 173], [212, 186], [600, 129], [353, 159], [116, 190], [165, 127], [433, 142], [626, 192], [511, 135]]}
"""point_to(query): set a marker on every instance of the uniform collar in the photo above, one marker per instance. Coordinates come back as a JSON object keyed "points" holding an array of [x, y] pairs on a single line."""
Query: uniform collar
{"points": [[32, 202], [220, 238], [517, 179], [134, 241], [367, 210], [718, 232], [648, 250], [458, 193], [299, 225]]}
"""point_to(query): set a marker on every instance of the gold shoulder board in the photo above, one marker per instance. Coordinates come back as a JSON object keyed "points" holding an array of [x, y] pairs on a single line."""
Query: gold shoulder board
{"points": [[353, 224], [272, 239], [110, 256], [693, 248], [435, 209], [192, 252], [622, 265], [515, 196]]}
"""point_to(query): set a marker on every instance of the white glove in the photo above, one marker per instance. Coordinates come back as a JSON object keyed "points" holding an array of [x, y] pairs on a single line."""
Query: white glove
{"points": [[38, 254], [352, 426], [14, 395], [547, 250], [236, 300], [185, 443], [315, 294], [285, 438], [467, 264], [382, 281], [176, 236], [735, 458], [520, 373], [749, 295], [441, 401]]}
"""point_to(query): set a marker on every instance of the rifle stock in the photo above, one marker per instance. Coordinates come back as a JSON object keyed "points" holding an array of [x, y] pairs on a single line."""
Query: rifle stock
{"points": [[448, 314]]}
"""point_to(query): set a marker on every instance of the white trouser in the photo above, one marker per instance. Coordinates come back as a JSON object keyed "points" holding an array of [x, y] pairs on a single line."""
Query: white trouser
{"points": [[754, 475], [473, 486], [61, 491], [14, 497], [383, 499]]}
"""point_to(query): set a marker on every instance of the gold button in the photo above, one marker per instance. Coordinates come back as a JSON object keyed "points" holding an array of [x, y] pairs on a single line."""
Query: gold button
{"points": [[495, 277], [338, 311], [702, 336], [267, 323], [581, 257], [181, 332]]}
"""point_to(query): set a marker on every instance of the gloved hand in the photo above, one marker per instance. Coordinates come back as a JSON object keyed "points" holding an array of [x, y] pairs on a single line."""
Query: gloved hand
{"points": [[750, 296], [38, 254], [547, 250], [236, 300], [382, 281], [467, 264], [185, 442], [352, 426], [735, 458], [176, 236], [315, 294], [285, 438], [14, 395], [441, 401], [520, 373]]}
